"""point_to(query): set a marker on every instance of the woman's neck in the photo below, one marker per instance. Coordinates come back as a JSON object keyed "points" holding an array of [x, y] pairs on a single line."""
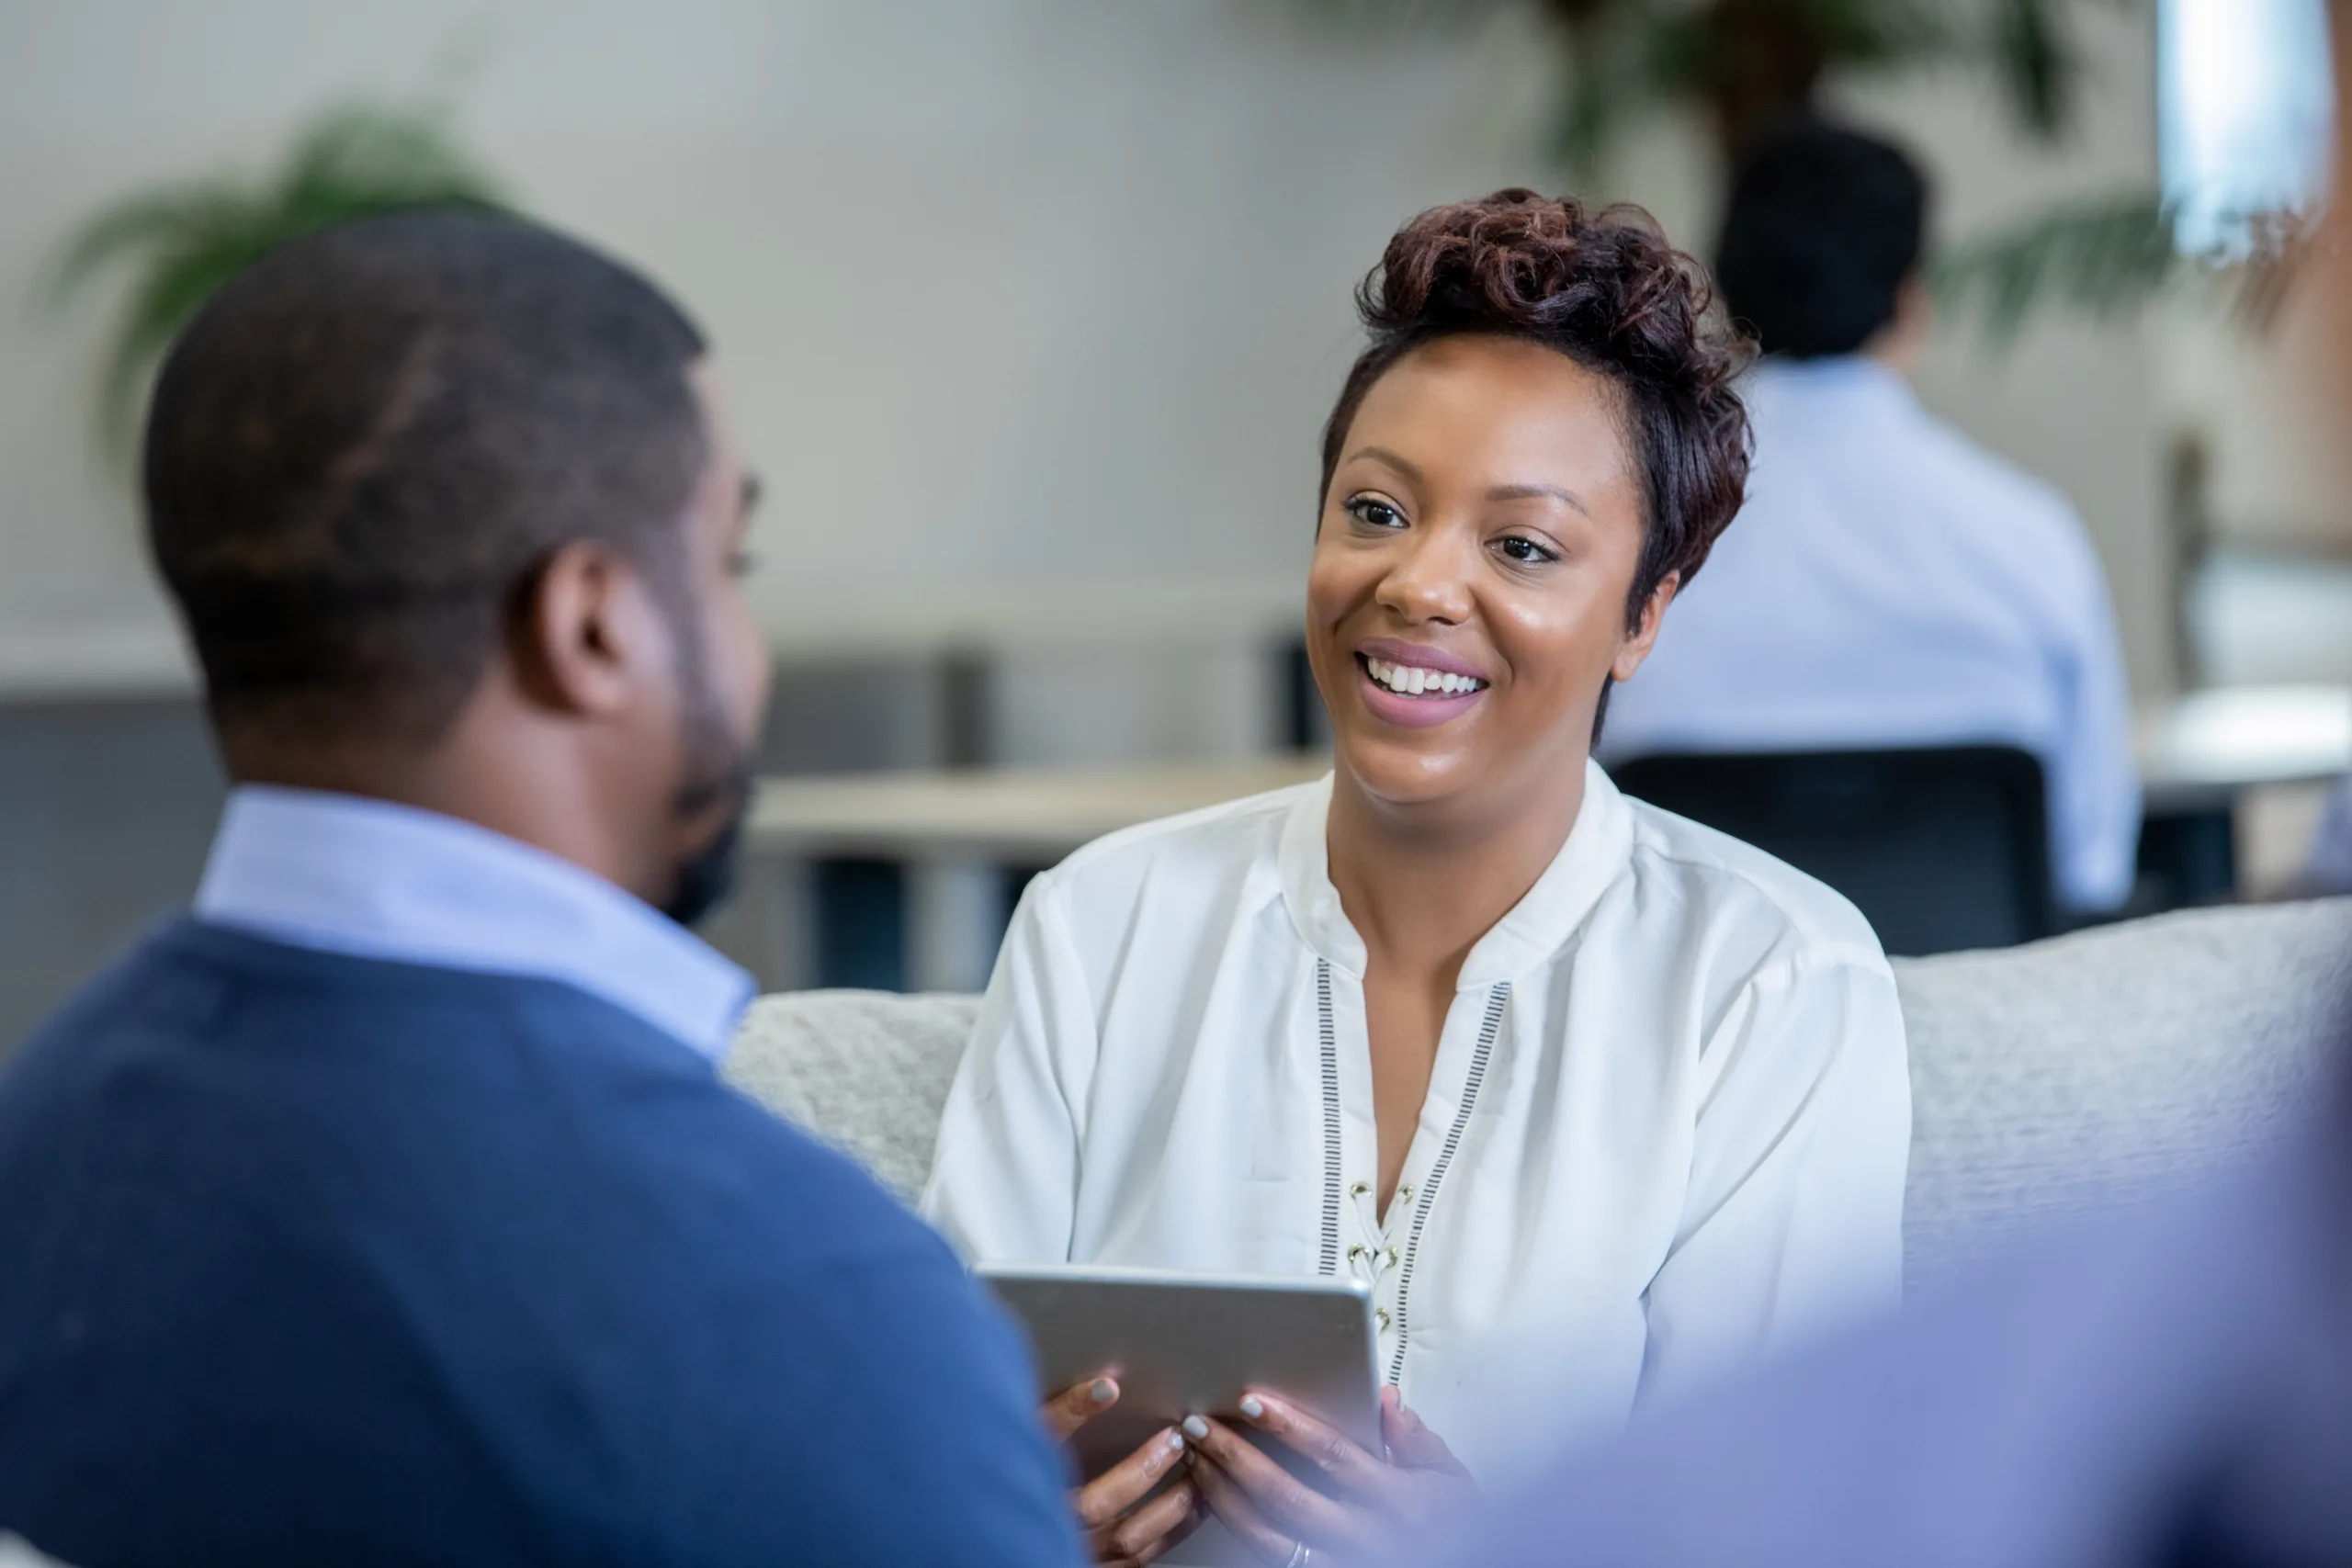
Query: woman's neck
{"points": [[1422, 883]]}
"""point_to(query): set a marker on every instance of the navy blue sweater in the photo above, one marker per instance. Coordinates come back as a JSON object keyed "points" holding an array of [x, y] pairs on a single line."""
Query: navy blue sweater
{"points": [[314, 1259]]}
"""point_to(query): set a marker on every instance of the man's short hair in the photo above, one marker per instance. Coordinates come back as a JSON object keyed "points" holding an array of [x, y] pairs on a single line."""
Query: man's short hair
{"points": [[364, 448], [1823, 226]]}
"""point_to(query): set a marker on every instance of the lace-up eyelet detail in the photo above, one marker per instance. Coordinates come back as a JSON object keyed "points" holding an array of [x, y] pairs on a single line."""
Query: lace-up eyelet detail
{"points": [[1374, 1257]]}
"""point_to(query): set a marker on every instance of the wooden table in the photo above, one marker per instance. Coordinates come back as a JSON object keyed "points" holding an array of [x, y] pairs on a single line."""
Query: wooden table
{"points": [[2207, 747], [955, 830]]}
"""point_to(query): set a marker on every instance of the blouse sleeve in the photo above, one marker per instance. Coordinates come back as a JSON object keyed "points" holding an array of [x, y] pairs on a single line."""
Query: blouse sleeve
{"points": [[1004, 1172], [1794, 1216]]}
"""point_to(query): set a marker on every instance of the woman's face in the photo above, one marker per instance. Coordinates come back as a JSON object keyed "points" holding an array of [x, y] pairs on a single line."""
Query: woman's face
{"points": [[1467, 597]]}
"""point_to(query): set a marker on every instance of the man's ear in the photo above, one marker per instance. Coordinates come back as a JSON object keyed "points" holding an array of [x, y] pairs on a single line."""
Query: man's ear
{"points": [[1636, 646], [589, 639]]}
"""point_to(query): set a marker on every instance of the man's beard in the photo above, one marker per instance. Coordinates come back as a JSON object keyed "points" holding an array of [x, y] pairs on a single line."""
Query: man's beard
{"points": [[719, 781], [706, 879]]}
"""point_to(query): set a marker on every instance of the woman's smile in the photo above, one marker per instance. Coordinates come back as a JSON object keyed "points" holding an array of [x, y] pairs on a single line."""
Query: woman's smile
{"points": [[1415, 686]]}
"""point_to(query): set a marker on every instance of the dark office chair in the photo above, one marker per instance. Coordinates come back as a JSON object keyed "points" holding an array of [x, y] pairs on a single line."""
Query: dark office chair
{"points": [[1941, 848]]}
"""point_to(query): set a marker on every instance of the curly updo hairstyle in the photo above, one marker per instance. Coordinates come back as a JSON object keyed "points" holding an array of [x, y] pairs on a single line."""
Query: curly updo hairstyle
{"points": [[1606, 290]]}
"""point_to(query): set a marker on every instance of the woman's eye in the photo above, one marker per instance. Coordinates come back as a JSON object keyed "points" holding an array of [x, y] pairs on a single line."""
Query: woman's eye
{"points": [[1524, 552], [1377, 513]]}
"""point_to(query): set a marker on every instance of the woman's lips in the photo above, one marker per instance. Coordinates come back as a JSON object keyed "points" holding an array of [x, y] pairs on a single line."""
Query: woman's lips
{"points": [[1412, 712]]}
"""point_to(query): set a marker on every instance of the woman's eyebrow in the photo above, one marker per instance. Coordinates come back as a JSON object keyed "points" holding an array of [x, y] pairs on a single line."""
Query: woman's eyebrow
{"points": [[1383, 454], [1539, 493]]}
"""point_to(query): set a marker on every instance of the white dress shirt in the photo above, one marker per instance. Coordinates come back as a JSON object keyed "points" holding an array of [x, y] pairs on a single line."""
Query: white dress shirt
{"points": [[366, 877], [1668, 1125], [1888, 584]]}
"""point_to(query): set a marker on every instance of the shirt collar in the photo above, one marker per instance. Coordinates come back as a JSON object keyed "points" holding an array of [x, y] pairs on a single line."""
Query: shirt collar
{"points": [[1534, 929], [376, 880], [1852, 374]]}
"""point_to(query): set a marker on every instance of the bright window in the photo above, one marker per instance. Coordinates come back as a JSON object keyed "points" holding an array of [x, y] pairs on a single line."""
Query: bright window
{"points": [[2243, 93]]}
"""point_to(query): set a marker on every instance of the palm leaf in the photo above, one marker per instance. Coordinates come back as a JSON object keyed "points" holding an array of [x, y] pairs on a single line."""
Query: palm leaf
{"points": [[2031, 53], [172, 246], [2102, 257]]}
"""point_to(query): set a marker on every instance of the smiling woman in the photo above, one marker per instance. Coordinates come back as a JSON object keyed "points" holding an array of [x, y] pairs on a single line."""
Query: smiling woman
{"points": [[1600, 1102]]}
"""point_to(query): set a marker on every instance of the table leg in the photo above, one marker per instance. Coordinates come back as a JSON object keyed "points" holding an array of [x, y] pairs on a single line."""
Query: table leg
{"points": [[779, 921], [954, 922]]}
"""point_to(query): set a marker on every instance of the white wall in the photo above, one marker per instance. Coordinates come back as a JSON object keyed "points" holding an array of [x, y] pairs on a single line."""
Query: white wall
{"points": [[1004, 289], [1031, 308]]}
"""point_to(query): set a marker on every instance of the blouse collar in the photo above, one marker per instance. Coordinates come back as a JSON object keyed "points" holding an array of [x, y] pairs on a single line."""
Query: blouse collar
{"points": [[1532, 932]]}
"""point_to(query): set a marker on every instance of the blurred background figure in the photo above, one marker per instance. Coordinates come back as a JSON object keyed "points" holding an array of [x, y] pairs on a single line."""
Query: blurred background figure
{"points": [[2168, 1390], [1889, 583]]}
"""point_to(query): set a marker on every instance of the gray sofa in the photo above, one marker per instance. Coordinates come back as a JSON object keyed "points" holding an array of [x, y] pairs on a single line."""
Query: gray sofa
{"points": [[2047, 1079]]}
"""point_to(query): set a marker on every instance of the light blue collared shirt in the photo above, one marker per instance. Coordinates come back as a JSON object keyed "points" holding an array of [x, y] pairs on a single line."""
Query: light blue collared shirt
{"points": [[1888, 584], [366, 878]]}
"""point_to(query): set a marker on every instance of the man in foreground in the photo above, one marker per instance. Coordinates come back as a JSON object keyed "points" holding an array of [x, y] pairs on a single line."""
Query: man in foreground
{"points": [[388, 1209]]}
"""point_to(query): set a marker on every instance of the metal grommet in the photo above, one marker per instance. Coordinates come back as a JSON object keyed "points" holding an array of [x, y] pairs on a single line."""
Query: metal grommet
{"points": [[1405, 1191], [1380, 1315], [1390, 1253], [1355, 1252], [1358, 1189]]}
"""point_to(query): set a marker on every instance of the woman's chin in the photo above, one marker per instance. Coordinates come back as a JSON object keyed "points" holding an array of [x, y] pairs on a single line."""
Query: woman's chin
{"points": [[1396, 771]]}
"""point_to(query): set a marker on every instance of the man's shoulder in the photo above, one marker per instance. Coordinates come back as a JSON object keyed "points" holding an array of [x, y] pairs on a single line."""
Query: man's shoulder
{"points": [[305, 1052], [1963, 473]]}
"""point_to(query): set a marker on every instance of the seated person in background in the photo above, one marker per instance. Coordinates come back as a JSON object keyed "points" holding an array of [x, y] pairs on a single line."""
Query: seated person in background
{"points": [[1598, 1100], [1890, 583], [388, 1209]]}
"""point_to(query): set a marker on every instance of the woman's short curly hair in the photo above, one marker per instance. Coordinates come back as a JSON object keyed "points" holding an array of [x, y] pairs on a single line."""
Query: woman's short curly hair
{"points": [[1606, 290]]}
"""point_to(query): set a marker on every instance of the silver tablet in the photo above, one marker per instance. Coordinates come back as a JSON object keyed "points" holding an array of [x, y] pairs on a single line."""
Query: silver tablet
{"points": [[1190, 1344]]}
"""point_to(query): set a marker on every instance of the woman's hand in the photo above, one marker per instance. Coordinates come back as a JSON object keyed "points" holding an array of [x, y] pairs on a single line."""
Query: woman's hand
{"points": [[1117, 1531], [1374, 1502]]}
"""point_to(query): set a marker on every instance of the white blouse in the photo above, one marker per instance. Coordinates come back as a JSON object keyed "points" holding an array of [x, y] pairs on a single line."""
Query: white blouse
{"points": [[1668, 1125]]}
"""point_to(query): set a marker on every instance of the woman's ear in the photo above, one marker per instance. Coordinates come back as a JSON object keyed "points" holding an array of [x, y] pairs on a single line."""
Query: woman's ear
{"points": [[1636, 646], [588, 638]]}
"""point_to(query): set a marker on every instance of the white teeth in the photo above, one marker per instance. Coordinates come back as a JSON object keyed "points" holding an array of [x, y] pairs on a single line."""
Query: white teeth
{"points": [[1414, 683]]}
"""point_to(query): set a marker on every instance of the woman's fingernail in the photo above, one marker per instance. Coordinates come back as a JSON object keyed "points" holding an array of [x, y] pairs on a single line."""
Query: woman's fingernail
{"points": [[1103, 1391], [1252, 1406], [1195, 1429], [1175, 1442]]}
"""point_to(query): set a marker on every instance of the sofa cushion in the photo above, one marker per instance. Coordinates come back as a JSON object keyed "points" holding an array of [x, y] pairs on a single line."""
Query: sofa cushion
{"points": [[866, 1071], [2060, 1076], [2046, 1079]]}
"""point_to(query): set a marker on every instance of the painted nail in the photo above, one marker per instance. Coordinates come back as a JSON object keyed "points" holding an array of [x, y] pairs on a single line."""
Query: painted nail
{"points": [[1252, 1406], [1195, 1429], [1175, 1442], [1103, 1391]]}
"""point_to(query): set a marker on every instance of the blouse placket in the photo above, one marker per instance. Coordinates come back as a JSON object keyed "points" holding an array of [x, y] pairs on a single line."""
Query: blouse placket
{"points": [[1382, 1250]]}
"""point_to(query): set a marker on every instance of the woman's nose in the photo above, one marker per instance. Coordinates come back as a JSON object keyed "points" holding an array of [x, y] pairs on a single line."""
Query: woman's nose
{"points": [[1428, 578]]}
